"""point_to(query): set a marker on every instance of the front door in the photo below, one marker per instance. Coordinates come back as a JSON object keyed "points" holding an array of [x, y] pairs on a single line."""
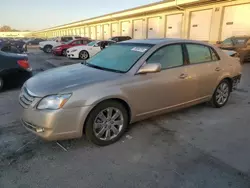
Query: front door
{"points": [[166, 89]]}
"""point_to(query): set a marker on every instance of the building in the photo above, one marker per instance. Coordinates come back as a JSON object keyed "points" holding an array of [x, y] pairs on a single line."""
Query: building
{"points": [[206, 20], [14, 34]]}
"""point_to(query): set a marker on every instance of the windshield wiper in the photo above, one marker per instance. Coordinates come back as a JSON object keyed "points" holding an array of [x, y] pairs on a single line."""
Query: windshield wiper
{"points": [[101, 68]]}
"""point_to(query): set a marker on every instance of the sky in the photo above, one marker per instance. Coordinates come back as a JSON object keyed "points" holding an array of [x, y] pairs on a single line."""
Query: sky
{"points": [[41, 14]]}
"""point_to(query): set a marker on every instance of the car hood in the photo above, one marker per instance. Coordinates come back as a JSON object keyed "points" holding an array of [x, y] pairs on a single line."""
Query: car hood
{"points": [[67, 78]]}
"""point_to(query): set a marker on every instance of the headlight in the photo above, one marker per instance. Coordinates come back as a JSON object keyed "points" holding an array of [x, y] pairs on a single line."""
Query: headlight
{"points": [[53, 102], [73, 50]]}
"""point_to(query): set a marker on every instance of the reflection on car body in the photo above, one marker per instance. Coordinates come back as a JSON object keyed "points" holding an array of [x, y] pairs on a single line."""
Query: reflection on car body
{"points": [[125, 83]]}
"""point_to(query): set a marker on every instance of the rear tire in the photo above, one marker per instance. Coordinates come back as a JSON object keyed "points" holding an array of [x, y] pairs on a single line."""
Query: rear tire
{"points": [[84, 55], [1, 84], [221, 94], [106, 123], [48, 49]]}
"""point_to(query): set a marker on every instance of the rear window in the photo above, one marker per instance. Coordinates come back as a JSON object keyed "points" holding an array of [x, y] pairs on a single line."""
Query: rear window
{"points": [[240, 40]]}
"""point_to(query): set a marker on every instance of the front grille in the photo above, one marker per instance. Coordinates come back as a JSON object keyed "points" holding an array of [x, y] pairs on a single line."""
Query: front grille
{"points": [[26, 98]]}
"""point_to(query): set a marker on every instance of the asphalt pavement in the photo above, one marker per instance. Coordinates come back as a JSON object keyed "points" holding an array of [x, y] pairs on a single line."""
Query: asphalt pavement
{"points": [[195, 147]]}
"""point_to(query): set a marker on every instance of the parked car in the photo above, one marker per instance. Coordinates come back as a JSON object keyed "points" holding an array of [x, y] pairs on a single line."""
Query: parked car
{"points": [[13, 47], [47, 46], [35, 41], [61, 49], [13, 68], [120, 38], [127, 82], [240, 44], [92, 48]]}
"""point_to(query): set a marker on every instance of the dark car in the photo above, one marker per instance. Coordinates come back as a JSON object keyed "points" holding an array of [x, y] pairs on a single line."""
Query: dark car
{"points": [[240, 44], [34, 41], [14, 68], [120, 38]]}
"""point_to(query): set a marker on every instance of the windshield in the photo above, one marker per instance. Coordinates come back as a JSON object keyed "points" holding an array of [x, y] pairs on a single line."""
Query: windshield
{"points": [[92, 43], [119, 57]]}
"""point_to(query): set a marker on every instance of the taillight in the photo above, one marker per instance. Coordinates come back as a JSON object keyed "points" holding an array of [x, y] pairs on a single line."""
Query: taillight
{"points": [[24, 64]]}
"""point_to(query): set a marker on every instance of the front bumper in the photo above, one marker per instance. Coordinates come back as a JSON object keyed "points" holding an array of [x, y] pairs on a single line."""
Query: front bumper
{"points": [[72, 54], [55, 124]]}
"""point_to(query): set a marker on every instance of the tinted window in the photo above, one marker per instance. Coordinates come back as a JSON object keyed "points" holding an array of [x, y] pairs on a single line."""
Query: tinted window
{"points": [[77, 42], [78, 37], [227, 42], [119, 57], [198, 53], [66, 39], [240, 40], [168, 56], [85, 41]]}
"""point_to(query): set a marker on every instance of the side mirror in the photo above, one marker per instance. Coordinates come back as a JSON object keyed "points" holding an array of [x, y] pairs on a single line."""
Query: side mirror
{"points": [[149, 68]]}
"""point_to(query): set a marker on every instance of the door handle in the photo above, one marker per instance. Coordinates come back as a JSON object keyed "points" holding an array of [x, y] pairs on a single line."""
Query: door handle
{"points": [[217, 69], [183, 76]]}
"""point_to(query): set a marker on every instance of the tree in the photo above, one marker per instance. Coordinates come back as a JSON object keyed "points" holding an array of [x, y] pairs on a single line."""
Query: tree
{"points": [[5, 28]]}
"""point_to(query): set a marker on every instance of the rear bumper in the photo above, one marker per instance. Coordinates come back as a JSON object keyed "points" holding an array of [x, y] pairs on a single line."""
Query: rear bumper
{"points": [[55, 52]]}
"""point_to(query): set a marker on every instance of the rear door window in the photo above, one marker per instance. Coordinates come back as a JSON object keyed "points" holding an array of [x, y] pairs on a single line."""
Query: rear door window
{"points": [[198, 53]]}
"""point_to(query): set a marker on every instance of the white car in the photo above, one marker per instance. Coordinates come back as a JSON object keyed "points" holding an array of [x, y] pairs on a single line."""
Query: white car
{"points": [[92, 48], [47, 46]]}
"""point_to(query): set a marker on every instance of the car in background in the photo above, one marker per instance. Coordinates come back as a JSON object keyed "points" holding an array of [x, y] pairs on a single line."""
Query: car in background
{"points": [[127, 82], [120, 38], [47, 46], [61, 49], [92, 48], [240, 44], [13, 46], [35, 41], [14, 68]]}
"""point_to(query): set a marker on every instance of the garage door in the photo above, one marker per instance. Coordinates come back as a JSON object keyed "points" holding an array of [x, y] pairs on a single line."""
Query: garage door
{"points": [[154, 27], [200, 25], [115, 29], [138, 29], [174, 25], [86, 32], [126, 28], [106, 32], [92, 33], [99, 32], [236, 21]]}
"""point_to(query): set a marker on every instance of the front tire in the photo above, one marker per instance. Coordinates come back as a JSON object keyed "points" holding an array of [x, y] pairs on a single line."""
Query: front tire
{"points": [[106, 123], [84, 55], [221, 94]]}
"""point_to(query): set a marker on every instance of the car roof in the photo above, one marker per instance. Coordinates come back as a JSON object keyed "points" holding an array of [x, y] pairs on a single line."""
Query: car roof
{"points": [[155, 41]]}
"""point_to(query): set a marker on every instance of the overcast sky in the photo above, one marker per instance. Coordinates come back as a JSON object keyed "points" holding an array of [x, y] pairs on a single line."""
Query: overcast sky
{"points": [[40, 14]]}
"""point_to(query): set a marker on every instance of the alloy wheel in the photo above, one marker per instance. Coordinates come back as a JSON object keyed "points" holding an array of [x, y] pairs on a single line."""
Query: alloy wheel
{"points": [[108, 124], [222, 93], [84, 55]]}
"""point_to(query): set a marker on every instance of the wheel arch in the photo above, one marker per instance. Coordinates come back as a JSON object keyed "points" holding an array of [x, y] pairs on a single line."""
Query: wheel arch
{"points": [[115, 98]]}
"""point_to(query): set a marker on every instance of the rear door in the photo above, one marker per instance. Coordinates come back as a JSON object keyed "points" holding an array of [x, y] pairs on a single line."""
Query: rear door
{"points": [[204, 69]]}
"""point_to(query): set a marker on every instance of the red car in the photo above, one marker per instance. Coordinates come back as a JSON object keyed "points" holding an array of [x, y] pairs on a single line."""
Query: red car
{"points": [[61, 49]]}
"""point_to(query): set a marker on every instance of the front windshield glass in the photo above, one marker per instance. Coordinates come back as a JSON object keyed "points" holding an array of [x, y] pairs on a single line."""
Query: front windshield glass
{"points": [[119, 57], [92, 43]]}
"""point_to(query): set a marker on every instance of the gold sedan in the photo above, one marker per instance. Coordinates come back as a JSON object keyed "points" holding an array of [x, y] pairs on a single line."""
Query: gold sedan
{"points": [[125, 83]]}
